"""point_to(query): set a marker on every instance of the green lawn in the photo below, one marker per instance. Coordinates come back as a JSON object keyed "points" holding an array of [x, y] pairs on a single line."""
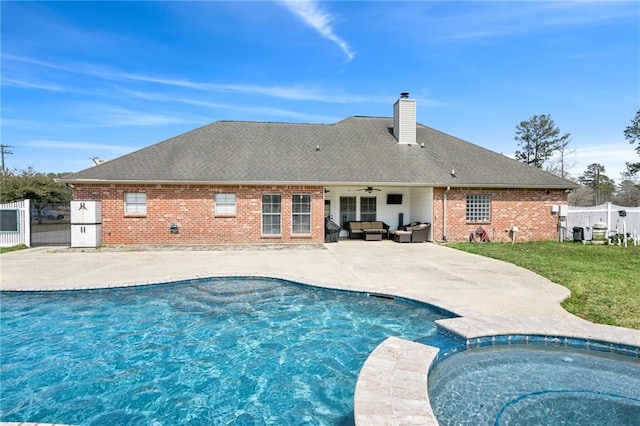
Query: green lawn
{"points": [[12, 248], [604, 280]]}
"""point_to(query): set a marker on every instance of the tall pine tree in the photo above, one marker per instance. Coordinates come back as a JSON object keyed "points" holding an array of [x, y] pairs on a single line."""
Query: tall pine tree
{"points": [[538, 139]]}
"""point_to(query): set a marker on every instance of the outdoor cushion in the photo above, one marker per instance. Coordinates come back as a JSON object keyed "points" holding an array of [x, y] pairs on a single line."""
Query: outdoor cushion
{"points": [[355, 227]]}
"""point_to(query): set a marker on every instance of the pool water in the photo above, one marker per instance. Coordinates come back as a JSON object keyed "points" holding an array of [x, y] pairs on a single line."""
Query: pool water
{"points": [[225, 351], [536, 386]]}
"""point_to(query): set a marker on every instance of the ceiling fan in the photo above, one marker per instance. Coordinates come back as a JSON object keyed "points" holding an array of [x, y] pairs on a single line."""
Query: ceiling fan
{"points": [[369, 189]]}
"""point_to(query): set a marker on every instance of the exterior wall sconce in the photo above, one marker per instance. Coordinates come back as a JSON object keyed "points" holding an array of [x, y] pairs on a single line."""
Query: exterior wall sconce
{"points": [[173, 229]]}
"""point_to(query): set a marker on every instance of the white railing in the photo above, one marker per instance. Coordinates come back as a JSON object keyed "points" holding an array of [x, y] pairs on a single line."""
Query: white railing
{"points": [[16, 226]]}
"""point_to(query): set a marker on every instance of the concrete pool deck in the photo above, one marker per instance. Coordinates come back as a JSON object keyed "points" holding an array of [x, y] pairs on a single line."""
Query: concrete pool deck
{"points": [[491, 297]]}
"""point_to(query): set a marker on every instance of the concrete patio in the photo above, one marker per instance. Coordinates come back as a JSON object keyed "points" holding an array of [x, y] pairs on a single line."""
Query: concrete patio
{"points": [[467, 284]]}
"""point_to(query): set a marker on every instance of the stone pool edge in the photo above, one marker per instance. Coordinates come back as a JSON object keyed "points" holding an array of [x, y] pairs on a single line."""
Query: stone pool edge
{"points": [[392, 387]]}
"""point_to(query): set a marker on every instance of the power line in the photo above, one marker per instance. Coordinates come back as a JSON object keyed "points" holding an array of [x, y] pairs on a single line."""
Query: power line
{"points": [[4, 149]]}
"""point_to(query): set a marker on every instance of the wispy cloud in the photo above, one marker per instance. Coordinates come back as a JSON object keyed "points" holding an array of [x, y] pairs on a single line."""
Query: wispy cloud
{"points": [[604, 152], [294, 92], [49, 87], [123, 117], [320, 20], [264, 111], [613, 155], [32, 85], [74, 145], [9, 118], [509, 18]]}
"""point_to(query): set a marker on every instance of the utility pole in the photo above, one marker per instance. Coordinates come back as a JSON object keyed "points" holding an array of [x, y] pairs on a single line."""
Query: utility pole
{"points": [[4, 149]]}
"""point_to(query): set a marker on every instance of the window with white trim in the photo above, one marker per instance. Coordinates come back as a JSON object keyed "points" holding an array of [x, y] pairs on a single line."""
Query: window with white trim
{"points": [[225, 204], [271, 214], [301, 214], [368, 208], [10, 220], [478, 208], [135, 203]]}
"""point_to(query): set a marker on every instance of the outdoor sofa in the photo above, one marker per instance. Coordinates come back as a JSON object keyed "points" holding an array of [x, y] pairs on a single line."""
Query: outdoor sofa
{"points": [[357, 229], [415, 232]]}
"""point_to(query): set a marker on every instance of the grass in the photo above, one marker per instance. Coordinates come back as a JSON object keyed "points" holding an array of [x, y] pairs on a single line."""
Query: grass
{"points": [[604, 280], [12, 248]]}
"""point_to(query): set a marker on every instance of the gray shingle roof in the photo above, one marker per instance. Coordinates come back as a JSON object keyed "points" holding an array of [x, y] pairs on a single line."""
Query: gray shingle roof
{"points": [[357, 150]]}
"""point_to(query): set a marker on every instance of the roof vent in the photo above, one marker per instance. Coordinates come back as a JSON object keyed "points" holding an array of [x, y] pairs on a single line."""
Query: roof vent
{"points": [[404, 120]]}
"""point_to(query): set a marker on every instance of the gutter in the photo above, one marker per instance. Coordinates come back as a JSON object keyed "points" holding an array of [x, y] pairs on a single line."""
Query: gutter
{"points": [[312, 183], [444, 214]]}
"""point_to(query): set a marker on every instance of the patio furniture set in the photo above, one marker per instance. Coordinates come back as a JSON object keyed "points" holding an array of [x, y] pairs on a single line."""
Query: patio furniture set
{"points": [[368, 231], [415, 232]]}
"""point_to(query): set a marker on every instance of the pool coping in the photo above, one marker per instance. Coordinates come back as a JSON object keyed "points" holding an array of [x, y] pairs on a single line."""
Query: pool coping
{"points": [[392, 387]]}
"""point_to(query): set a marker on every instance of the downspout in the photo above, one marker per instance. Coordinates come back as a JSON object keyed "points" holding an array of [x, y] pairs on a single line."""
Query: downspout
{"points": [[444, 214]]}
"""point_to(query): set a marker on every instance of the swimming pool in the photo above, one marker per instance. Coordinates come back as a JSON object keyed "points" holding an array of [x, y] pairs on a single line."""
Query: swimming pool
{"points": [[242, 351], [529, 385]]}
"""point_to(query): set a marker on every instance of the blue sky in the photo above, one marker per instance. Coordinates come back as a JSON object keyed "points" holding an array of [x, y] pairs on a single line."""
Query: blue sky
{"points": [[102, 79]]}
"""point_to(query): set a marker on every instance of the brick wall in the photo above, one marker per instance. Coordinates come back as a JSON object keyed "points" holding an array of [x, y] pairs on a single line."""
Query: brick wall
{"points": [[528, 209], [191, 208]]}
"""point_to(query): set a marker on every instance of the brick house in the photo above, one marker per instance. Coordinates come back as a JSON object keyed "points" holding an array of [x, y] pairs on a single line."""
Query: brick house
{"points": [[260, 182]]}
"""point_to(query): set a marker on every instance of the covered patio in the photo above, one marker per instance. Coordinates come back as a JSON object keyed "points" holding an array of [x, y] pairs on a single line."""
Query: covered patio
{"points": [[396, 206]]}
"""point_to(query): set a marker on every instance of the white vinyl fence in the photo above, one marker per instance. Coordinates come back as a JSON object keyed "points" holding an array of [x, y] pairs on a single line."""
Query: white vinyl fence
{"points": [[607, 213], [15, 224]]}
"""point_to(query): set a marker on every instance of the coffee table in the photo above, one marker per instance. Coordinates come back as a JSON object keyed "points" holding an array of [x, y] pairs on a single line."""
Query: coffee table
{"points": [[373, 234]]}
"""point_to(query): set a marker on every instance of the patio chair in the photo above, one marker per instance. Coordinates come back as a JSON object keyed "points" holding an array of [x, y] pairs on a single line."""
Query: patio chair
{"points": [[412, 234], [419, 233]]}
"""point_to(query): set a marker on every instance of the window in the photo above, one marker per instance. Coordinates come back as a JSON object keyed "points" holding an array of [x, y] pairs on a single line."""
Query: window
{"points": [[271, 214], [347, 210], [368, 208], [301, 214], [9, 220], [225, 204], [135, 203], [478, 208]]}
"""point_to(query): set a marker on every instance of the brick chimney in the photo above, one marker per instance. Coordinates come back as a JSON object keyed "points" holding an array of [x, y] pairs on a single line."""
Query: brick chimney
{"points": [[404, 119]]}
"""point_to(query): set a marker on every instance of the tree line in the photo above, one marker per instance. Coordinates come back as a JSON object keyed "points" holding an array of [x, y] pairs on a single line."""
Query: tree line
{"points": [[40, 188], [543, 145]]}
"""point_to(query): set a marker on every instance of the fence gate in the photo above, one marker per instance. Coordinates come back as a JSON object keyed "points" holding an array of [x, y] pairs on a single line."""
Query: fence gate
{"points": [[51, 225]]}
